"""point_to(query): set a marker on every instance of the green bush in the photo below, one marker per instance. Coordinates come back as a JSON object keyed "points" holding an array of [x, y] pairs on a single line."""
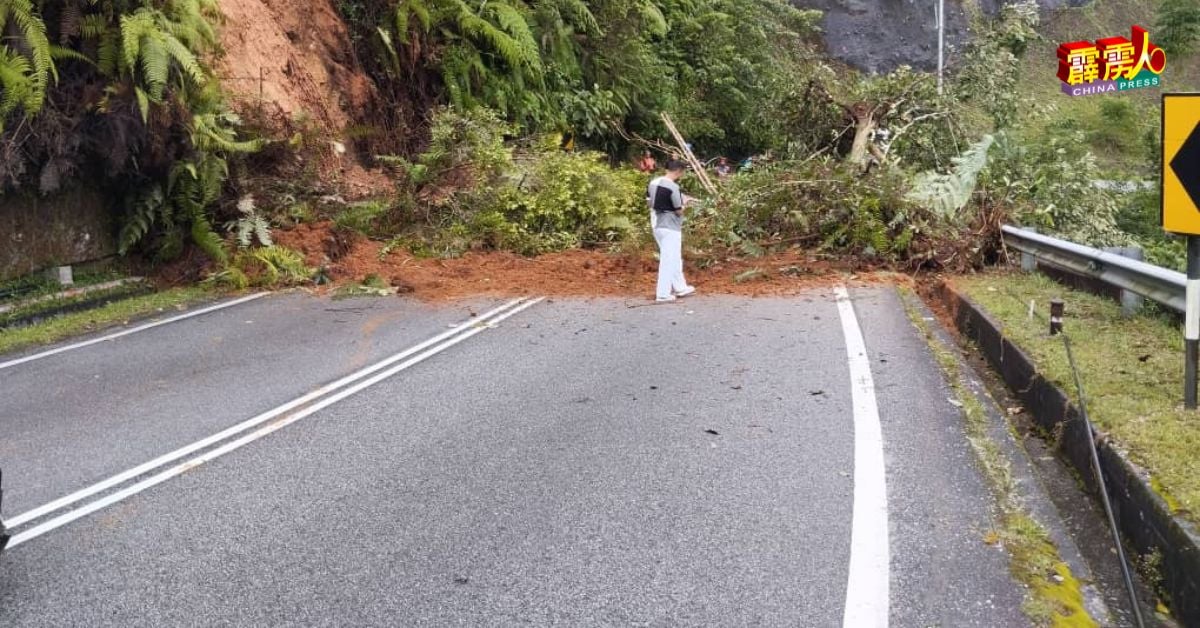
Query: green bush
{"points": [[472, 194], [824, 204], [1050, 183], [268, 266]]}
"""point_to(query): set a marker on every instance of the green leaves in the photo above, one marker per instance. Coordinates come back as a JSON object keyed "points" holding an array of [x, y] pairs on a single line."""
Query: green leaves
{"points": [[150, 49], [477, 195], [947, 194], [1178, 26], [597, 68], [251, 225], [26, 67]]}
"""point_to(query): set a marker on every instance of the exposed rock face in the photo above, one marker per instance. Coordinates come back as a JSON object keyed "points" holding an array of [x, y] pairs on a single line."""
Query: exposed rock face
{"points": [[70, 227], [880, 35]]}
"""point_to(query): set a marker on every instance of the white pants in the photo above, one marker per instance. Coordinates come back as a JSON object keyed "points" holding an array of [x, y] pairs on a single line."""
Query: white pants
{"points": [[670, 262]]}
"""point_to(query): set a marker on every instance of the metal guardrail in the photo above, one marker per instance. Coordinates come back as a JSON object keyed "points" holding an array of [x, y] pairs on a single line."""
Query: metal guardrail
{"points": [[1153, 282]]}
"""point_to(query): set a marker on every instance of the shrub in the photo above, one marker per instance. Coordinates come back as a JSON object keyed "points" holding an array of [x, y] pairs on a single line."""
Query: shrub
{"points": [[473, 194], [1051, 184], [822, 203], [267, 266], [361, 217]]}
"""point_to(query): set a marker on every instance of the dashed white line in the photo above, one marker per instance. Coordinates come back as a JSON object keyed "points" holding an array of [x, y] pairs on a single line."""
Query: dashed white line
{"points": [[131, 330], [867, 595]]}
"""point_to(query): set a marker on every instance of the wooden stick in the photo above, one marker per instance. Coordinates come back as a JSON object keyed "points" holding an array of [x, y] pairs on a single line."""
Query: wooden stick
{"points": [[691, 159]]}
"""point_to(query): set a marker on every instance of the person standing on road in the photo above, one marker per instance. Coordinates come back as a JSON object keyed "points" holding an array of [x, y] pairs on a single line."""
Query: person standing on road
{"points": [[666, 219]]}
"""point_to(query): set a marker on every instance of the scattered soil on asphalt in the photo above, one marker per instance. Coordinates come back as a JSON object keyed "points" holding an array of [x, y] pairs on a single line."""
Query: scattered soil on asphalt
{"points": [[930, 291], [350, 260]]}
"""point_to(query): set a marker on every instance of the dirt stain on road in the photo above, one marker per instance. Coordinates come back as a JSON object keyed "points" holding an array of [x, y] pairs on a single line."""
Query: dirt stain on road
{"points": [[362, 353]]}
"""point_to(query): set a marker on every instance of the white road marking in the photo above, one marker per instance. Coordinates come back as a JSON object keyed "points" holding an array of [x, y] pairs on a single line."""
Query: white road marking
{"points": [[867, 602], [147, 467], [179, 469], [131, 330]]}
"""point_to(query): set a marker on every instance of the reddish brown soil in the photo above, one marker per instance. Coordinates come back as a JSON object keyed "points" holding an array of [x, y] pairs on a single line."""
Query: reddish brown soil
{"points": [[289, 64], [294, 55], [569, 273]]}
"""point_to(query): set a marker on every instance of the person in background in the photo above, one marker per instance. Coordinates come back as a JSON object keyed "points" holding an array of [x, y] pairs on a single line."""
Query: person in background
{"points": [[723, 168], [647, 163], [666, 219]]}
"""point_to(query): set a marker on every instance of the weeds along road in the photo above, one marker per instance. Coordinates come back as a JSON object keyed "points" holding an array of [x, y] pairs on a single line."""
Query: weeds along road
{"points": [[579, 462]]}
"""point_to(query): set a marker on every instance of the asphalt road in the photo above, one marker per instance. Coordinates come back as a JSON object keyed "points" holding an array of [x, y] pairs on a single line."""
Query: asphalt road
{"points": [[580, 463]]}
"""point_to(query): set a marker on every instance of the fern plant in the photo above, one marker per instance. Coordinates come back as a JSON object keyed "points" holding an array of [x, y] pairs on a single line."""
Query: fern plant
{"points": [[153, 49], [191, 188], [26, 64], [486, 53], [266, 266], [947, 194], [251, 225]]}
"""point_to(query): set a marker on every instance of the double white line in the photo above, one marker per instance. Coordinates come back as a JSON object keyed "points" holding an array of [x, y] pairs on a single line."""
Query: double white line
{"points": [[265, 423]]}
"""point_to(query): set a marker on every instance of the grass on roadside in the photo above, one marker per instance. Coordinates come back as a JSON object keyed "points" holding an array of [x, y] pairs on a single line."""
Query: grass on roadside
{"points": [[1132, 372], [108, 315], [38, 285], [48, 306]]}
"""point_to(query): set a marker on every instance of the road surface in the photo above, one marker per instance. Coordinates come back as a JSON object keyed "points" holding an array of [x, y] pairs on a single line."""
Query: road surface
{"points": [[715, 461]]}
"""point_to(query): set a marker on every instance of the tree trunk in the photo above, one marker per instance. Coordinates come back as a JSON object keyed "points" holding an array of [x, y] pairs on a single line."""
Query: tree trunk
{"points": [[864, 128]]}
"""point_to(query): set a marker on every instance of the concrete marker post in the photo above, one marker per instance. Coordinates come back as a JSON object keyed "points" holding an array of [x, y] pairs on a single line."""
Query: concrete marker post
{"points": [[61, 275], [1191, 325]]}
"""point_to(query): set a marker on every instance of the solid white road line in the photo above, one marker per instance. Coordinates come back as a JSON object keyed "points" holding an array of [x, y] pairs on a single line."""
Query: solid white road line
{"points": [[131, 330], [142, 469], [36, 531], [867, 601]]}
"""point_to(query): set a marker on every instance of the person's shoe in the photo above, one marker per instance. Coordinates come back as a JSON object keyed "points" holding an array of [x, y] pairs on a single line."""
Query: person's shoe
{"points": [[665, 299], [686, 291]]}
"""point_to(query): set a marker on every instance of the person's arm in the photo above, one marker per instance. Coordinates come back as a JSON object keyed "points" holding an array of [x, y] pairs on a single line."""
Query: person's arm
{"points": [[677, 201]]}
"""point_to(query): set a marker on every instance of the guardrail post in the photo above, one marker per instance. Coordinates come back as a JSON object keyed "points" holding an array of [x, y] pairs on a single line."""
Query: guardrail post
{"points": [[1131, 302], [1191, 325], [1028, 260]]}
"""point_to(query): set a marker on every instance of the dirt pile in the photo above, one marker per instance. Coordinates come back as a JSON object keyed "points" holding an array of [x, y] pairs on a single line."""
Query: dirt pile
{"points": [[292, 63], [569, 273]]}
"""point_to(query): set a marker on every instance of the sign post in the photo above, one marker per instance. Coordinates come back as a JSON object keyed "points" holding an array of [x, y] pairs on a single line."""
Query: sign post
{"points": [[1181, 213], [1191, 325]]}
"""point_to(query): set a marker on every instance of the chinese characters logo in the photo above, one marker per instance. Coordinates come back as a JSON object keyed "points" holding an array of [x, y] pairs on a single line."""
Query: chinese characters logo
{"points": [[1111, 64]]}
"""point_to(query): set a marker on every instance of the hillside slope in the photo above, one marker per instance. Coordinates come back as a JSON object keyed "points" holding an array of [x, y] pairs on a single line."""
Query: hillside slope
{"points": [[291, 62], [881, 35]]}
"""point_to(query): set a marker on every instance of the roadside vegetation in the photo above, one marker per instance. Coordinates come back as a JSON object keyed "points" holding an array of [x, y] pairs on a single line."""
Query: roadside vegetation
{"points": [[115, 313], [1131, 370], [32, 310], [31, 287]]}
